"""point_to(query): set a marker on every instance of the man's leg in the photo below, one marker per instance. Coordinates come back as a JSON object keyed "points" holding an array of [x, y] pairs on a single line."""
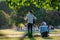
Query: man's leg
{"points": [[43, 34], [46, 34], [30, 29]]}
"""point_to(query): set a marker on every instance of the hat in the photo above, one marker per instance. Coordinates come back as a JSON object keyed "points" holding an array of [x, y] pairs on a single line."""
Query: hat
{"points": [[43, 23]]}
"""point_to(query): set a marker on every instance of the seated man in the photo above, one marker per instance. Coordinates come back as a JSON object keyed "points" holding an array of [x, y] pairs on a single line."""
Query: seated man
{"points": [[44, 30]]}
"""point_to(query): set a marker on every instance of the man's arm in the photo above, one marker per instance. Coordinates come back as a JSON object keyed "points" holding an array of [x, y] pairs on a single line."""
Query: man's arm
{"points": [[34, 17], [25, 18]]}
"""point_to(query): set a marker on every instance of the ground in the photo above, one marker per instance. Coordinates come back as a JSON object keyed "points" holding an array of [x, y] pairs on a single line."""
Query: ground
{"points": [[35, 38], [11, 32]]}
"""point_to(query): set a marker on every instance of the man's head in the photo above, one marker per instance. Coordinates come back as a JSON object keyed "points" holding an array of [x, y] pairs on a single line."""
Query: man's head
{"points": [[43, 23], [29, 11]]}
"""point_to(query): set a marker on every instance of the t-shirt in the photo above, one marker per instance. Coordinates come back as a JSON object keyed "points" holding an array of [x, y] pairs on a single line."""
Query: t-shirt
{"points": [[30, 18]]}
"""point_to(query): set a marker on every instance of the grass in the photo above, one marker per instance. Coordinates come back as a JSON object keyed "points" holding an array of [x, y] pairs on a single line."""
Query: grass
{"points": [[35, 38], [57, 31], [10, 31]]}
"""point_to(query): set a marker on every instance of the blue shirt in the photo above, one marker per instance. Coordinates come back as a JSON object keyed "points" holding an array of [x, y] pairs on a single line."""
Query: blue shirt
{"points": [[30, 18], [44, 28]]}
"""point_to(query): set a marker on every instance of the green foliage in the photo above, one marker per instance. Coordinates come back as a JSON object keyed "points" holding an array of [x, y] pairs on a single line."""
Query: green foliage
{"points": [[12, 17], [53, 17], [4, 20], [38, 7], [47, 4], [39, 13]]}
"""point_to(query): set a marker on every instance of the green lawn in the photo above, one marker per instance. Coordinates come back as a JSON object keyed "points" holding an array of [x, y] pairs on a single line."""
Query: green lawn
{"points": [[57, 31], [35, 38], [10, 31]]}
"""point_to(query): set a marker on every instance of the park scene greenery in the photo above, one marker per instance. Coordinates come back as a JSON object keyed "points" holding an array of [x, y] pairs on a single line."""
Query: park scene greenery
{"points": [[13, 12]]}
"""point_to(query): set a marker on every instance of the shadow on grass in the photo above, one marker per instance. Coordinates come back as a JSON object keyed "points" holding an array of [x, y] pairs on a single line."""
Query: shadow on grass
{"points": [[47, 38], [43, 37], [32, 38], [37, 35], [26, 35]]}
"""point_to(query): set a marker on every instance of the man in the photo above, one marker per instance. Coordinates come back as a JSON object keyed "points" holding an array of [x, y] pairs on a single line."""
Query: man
{"points": [[29, 18], [44, 30]]}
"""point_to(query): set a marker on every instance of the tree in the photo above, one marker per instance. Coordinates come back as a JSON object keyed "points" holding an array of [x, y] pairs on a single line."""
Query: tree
{"points": [[39, 8], [47, 4], [4, 19]]}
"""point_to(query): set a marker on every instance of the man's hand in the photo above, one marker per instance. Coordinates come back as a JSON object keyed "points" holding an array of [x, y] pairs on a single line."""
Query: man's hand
{"points": [[25, 18]]}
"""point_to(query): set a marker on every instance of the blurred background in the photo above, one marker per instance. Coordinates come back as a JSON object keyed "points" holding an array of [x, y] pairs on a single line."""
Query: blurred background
{"points": [[13, 11]]}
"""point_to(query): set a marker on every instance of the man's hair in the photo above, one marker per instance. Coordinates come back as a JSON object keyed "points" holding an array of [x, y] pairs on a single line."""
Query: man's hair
{"points": [[30, 11]]}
